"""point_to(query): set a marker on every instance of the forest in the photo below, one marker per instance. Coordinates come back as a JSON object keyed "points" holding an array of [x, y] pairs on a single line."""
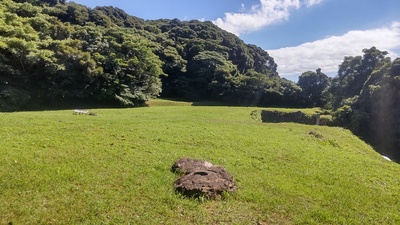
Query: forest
{"points": [[56, 54]]}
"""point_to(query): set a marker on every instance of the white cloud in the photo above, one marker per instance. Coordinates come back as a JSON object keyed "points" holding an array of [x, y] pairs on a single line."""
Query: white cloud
{"points": [[312, 2], [265, 13], [329, 52], [242, 8]]}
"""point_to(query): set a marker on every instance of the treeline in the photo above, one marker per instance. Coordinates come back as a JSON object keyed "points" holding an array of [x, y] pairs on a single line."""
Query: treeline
{"points": [[367, 92], [58, 54], [61, 54], [364, 97]]}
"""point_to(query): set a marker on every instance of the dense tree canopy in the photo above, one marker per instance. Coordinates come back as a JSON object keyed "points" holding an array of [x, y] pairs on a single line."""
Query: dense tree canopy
{"points": [[353, 73], [367, 98], [313, 85], [58, 53], [45, 60]]}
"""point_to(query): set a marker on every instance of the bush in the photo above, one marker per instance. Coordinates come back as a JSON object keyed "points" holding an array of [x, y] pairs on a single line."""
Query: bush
{"points": [[342, 116], [12, 98]]}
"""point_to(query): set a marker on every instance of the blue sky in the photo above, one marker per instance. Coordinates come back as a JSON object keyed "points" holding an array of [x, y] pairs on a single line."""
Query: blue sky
{"points": [[301, 35]]}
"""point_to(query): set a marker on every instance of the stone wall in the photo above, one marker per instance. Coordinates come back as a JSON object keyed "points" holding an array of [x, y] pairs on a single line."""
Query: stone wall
{"points": [[295, 117]]}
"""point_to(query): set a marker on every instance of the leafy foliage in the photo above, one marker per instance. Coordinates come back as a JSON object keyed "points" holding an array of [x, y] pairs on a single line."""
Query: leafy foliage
{"points": [[353, 73], [313, 85], [367, 98], [62, 53], [219, 66], [46, 53]]}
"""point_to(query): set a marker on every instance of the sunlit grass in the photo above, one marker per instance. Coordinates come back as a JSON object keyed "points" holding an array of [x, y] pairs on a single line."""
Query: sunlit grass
{"points": [[166, 102], [114, 168]]}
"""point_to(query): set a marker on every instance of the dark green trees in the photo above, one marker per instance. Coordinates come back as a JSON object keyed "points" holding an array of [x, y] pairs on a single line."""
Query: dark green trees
{"points": [[49, 63], [213, 64], [57, 53], [366, 96], [376, 112], [313, 84], [131, 70], [353, 73]]}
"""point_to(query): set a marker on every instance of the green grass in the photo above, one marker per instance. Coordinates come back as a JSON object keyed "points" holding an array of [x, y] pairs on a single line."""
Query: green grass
{"points": [[114, 168], [167, 102]]}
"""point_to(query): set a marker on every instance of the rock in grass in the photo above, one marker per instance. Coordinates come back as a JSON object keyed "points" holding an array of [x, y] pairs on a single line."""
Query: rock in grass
{"points": [[185, 165], [201, 178]]}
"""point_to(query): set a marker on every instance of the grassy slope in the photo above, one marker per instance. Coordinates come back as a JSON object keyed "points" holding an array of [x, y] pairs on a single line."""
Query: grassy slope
{"points": [[114, 169]]}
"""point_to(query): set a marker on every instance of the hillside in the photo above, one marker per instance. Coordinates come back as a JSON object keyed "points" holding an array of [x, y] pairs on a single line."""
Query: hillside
{"points": [[114, 168], [57, 54]]}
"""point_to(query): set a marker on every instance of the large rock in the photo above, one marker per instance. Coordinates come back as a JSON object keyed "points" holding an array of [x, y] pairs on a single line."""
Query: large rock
{"points": [[185, 165], [201, 178]]}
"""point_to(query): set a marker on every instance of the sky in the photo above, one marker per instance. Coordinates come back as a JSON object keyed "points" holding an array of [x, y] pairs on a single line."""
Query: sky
{"points": [[301, 35]]}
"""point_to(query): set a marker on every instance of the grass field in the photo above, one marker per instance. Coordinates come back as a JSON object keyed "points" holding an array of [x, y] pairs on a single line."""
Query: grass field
{"points": [[114, 168]]}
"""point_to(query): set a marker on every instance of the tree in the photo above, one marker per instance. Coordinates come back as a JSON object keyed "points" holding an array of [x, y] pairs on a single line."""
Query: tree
{"points": [[205, 70], [60, 52], [313, 84], [395, 68], [368, 90], [77, 14], [263, 62], [353, 73], [46, 2], [131, 70]]}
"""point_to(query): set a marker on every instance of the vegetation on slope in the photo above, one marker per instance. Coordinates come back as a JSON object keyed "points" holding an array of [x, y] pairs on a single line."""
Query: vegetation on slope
{"points": [[364, 98], [114, 168], [62, 54]]}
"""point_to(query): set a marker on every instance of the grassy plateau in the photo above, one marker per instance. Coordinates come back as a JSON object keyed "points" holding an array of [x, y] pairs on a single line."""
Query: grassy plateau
{"points": [[114, 168]]}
